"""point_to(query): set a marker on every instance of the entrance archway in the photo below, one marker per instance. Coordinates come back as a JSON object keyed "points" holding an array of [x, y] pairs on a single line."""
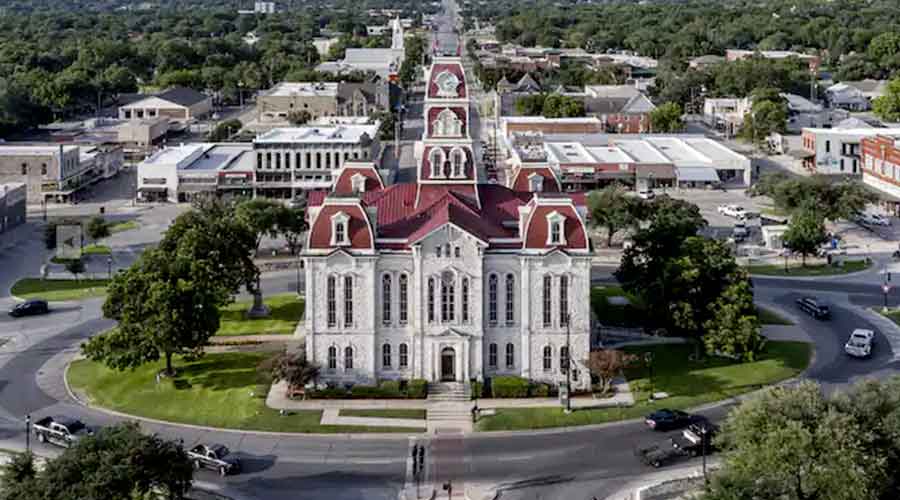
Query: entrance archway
{"points": [[448, 364]]}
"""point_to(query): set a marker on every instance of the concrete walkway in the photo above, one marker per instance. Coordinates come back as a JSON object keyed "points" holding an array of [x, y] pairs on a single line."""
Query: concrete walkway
{"points": [[332, 417]]}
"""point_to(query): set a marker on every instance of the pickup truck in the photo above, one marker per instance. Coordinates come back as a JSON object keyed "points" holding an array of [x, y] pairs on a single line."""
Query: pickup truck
{"points": [[689, 443], [215, 457], [61, 431]]}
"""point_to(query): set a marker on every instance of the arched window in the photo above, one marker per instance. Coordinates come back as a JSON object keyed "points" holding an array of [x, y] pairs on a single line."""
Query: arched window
{"points": [[386, 299], [332, 358], [548, 314], [510, 355], [563, 359], [465, 300], [436, 157], [457, 252], [564, 300], [492, 299], [332, 301], [348, 358], [404, 356], [448, 298], [457, 158], [548, 358], [348, 300], [492, 355], [404, 300], [431, 300], [510, 299], [386, 356]]}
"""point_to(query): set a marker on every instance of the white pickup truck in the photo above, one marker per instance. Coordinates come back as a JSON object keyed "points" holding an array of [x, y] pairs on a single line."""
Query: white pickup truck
{"points": [[61, 431]]}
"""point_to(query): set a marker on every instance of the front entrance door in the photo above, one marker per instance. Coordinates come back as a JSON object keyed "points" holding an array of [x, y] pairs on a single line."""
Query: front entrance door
{"points": [[448, 364]]}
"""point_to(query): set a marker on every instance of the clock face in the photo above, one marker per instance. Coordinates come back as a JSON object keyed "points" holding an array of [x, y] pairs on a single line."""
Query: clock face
{"points": [[447, 83]]}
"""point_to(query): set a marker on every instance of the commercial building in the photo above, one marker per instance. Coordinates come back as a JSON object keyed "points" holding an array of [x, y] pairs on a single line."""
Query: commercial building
{"points": [[855, 96], [383, 62], [837, 151], [880, 160], [579, 162], [448, 278], [280, 164], [322, 99], [12, 205], [177, 104], [56, 173]]}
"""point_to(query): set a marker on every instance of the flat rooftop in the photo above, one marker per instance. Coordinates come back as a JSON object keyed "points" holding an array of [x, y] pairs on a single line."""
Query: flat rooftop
{"points": [[609, 154], [642, 151], [174, 154], [33, 149], [303, 89], [218, 157], [343, 133], [569, 152], [860, 132]]}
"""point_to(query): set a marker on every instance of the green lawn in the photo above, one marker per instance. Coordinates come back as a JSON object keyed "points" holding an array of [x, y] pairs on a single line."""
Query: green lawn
{"points": [[891, 314], [96, 250], [286, 309], [616, 315], [400, 413], [850, 266], [58, 290], [688, 383], [219, 390], [123, 226], [770, 317]]}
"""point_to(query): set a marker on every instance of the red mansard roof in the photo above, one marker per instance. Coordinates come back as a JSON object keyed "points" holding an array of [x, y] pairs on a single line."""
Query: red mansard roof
{"points": [[344, 183], [550, 185], [468, 168], [358, 229], [538, 228]]}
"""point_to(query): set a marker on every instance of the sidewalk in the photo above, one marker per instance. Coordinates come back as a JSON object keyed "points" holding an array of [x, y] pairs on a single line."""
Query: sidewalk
{"points": [[643, 487]]}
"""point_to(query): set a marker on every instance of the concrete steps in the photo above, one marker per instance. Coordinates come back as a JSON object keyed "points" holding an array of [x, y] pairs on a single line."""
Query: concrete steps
{"points": [[449, 391]]}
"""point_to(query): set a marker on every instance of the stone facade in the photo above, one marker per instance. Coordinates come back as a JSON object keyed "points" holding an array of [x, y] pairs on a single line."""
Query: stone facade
{"points": [[449, 278]]}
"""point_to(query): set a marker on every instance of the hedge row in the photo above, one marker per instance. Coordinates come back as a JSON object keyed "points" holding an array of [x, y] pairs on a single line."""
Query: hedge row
{"points": [[516, 387], [387, 389]]}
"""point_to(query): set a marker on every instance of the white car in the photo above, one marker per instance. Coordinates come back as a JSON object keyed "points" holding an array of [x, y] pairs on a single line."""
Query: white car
{"points": [[873, 219], [733, 211], [859, 344], [646, 194]]}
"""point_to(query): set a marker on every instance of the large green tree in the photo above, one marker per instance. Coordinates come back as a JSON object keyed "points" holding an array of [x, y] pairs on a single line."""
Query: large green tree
{"points": [[832, 199], [118, 462], [887, 107], [733, 328], [791, 443], [805, 233], [666, 118], [614, 209]]}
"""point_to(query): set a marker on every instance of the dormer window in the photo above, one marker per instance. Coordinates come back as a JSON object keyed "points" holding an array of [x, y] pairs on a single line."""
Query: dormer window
{"points": [[556, 229], [436, 157], [535, 183], [358, 183], [457, 157], [339, 226]]}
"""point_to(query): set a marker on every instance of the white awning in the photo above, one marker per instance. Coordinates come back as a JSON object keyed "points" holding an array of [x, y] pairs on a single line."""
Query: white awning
{"points": [[697, 174]]}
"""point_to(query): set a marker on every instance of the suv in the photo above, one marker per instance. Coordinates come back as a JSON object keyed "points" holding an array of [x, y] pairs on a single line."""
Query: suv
{"points": [[30, 308], [814, 307], [859, 344]]}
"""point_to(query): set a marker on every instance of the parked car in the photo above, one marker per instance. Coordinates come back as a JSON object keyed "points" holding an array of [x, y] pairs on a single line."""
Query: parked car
{"points": [[61, 431], [740, 231], [873, 219], [646, 194], [691, 442], [859, 345], [216, 457], [29, 308], [814, 307], [733, 211], [665, 419]]}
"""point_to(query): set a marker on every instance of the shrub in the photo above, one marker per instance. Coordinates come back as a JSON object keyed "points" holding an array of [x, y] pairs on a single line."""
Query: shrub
{"points": [[509, 387], [417, 389], [390, 389], [477, 389], [540, 390], [329, 393]]}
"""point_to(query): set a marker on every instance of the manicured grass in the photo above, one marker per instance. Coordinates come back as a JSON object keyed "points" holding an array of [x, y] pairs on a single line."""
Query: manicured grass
{"points": [[218, 390], [617, 315], [891, 314], [96, 250], [689, 384], [123, 226], [400, 413], [770, 317], [58, 290], [850, 266], [286, 309]]}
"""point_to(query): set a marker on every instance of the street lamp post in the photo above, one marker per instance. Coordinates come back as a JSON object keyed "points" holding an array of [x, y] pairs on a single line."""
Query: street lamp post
{"points": [[241, 94], [27, 433], [704, 436], [109, 262], [648, 358], [298, 275]]}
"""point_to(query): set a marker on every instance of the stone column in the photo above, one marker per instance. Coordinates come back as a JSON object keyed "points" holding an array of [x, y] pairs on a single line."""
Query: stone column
{"points": [[415, 306], [525, 295]]}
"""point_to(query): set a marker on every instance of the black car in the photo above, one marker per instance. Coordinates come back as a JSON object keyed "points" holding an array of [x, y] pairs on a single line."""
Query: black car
{"points": [[814, 307], [662, 420], [215, 457], [30, 308]]}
